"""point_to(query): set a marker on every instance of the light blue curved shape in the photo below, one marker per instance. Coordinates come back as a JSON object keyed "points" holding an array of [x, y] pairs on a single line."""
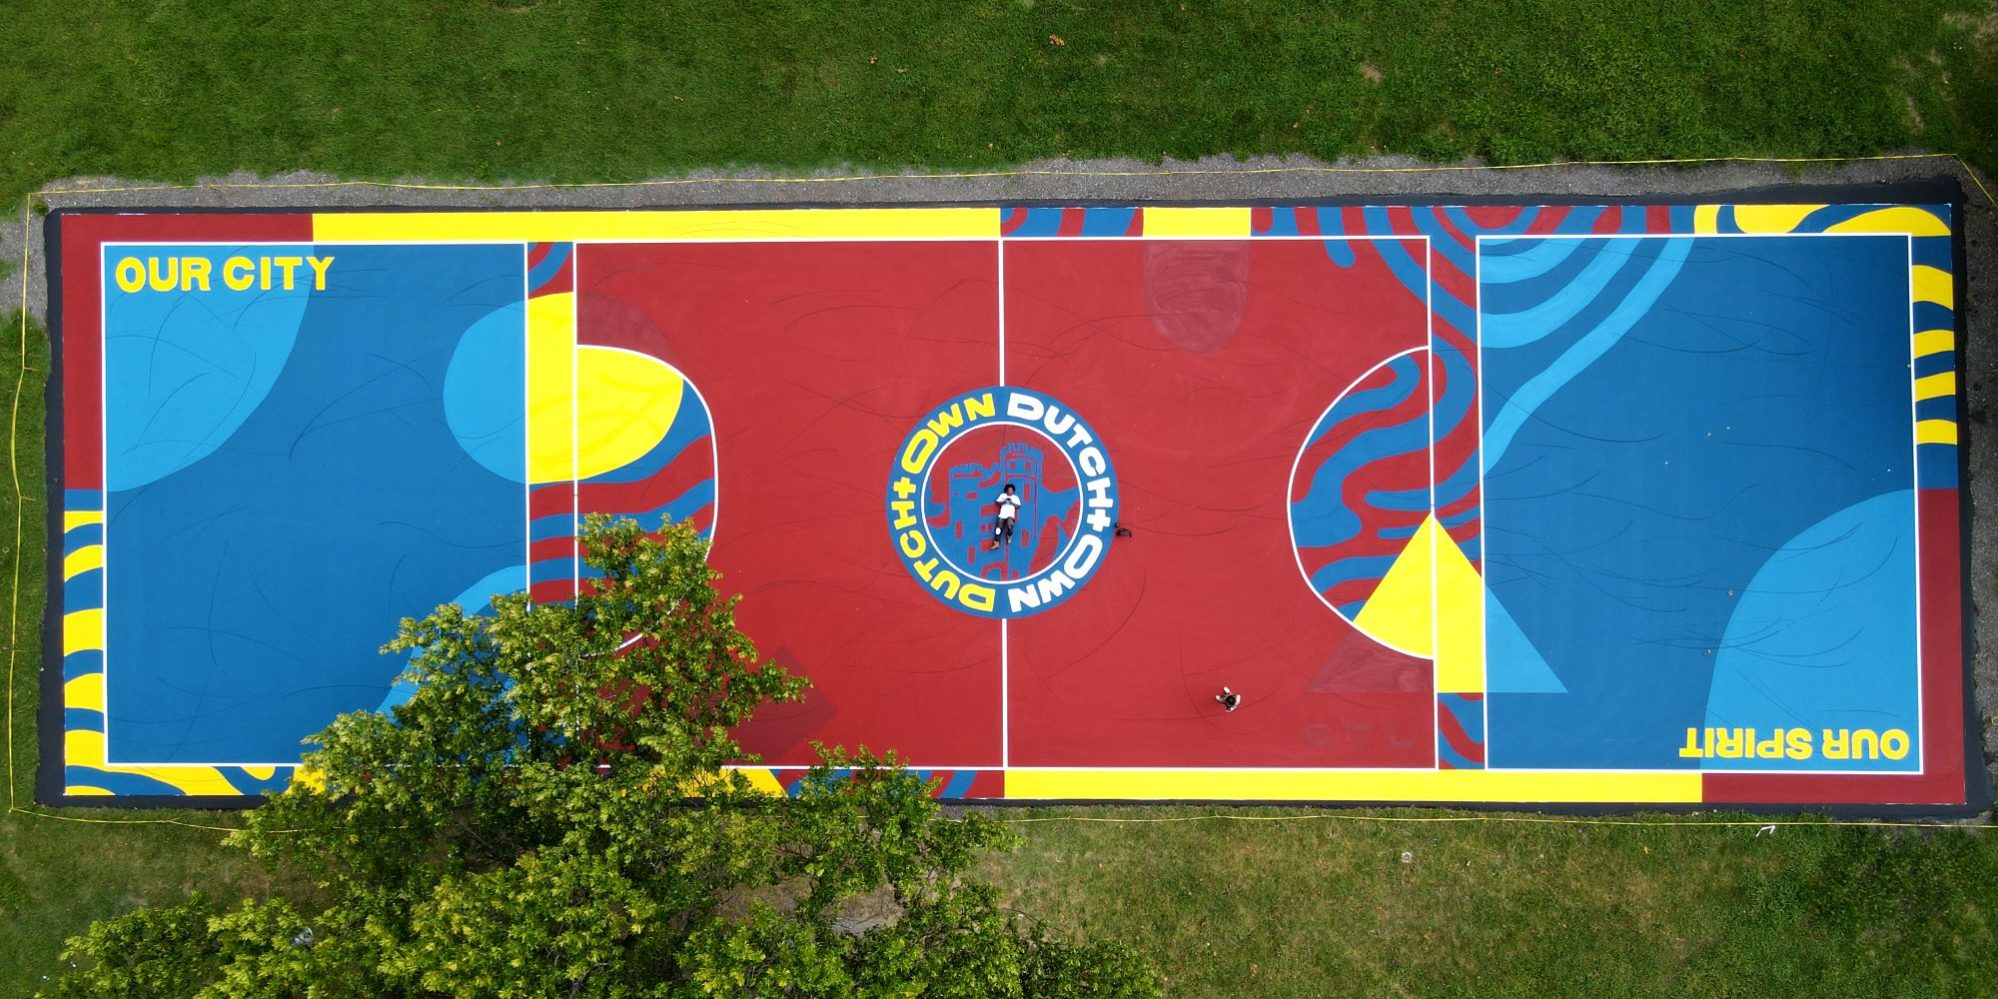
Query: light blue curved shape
{"points": [[484, 388], [1442, 242], [1461, 218], [1585, 351], [475, 600], [1825, 637], [184, 369], [1449, 409], [1538, 258], [1517, 329], [1414, 275], [1322, 518]]}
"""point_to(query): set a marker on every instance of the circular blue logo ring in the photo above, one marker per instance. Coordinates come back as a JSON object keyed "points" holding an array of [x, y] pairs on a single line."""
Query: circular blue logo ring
{"points": [[1096, 498]]}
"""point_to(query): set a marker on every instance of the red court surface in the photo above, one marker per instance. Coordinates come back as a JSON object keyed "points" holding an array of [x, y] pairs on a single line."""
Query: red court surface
{"points": [[1582, 505]]}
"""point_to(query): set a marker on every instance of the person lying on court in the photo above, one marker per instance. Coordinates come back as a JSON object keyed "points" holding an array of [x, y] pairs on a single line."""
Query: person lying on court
{"points": [[1009, 510]]}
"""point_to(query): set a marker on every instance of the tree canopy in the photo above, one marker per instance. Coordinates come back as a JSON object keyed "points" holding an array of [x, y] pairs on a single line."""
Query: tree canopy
{"points": [[552, 812]]}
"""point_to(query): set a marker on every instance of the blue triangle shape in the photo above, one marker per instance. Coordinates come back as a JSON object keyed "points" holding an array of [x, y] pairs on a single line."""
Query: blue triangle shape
{"points": [[1512, 664]]}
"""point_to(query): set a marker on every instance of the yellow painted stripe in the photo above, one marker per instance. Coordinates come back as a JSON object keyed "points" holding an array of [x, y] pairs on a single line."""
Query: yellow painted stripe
{"points": [[1197, 222], [1414, 785], [73, 519], [1770, 218], [83, 748], [1934, 342], [551, 381], [85, 790], [1936, 386], [86, 691], [1897, 220], [777, 224], [82, 560], [1933, 284], [1935, 431], [763, 780], [82, 631], [1706, 218]]}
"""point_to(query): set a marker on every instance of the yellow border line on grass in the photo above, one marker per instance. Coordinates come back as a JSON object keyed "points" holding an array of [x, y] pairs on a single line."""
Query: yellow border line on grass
{"points": [[20, 378]]}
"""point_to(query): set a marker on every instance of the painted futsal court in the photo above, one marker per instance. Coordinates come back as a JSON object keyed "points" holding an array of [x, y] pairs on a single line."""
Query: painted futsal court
{"points": [[1612, 504]]}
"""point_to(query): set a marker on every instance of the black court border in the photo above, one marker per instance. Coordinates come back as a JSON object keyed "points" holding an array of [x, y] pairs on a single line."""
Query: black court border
{"points": [[1939, 189]]}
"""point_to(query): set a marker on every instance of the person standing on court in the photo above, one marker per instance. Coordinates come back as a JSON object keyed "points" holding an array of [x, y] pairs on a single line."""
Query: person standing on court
{"points": [[1009, 510]]}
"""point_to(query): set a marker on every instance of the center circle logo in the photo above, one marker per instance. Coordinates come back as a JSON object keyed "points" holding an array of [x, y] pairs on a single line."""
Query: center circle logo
{"points": [[995, 450]]}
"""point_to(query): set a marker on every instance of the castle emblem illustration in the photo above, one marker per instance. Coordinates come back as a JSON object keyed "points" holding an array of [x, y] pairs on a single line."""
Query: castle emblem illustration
{"points": [[969, 515]]}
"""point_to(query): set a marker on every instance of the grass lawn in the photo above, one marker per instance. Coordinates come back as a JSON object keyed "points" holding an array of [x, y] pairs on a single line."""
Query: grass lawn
{"points": [[56, 875], [569, 91], [572, 91], [1327, 906]]}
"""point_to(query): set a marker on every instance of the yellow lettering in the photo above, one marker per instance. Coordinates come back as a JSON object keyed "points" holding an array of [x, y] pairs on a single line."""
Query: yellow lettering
{"points": [[980, 407], [162, 280], [131, 275], [945, 422], [916, 456], [913, 544], [1836, 746], [976, 597], [1799, 744], [1865, 744], [290, 264], [193, 271], [1894, 744], [1770, 748], [1692, 750], [236, 273], [945, 582], [319, 265], [905, 514]]}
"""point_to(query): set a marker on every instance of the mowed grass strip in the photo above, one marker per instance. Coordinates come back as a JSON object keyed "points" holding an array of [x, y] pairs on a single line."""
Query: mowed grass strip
{"points": [[591, 91], [1327, 906], [58, 874]]}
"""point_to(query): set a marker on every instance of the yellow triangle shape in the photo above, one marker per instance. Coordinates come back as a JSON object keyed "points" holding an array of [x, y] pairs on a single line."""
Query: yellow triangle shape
{"points": [[1397, 615], [1460, 611], [1432, 576]]}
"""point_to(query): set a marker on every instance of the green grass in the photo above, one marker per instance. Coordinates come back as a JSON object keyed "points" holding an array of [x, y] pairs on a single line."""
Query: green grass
{"points": [[1327, 907], [56, 875], [569, 91], [605, 91]]}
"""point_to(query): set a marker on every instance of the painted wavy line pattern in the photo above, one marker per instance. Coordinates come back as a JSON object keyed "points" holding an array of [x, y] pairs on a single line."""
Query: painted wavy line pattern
{"points": [[1043, 223], [1460, 731], [86, 772], [1372, 441]]}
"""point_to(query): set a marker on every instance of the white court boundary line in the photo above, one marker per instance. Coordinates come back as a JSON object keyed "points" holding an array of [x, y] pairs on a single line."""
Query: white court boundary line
{"points": [[1000, 241], [1919, 739]]}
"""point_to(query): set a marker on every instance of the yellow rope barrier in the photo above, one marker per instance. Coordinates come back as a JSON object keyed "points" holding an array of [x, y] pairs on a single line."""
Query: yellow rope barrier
{"points": [[20, 377], [14, 468]]}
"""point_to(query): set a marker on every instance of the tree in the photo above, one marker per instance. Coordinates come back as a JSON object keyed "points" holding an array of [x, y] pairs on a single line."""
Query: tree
{"points": [[552, 814]]}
